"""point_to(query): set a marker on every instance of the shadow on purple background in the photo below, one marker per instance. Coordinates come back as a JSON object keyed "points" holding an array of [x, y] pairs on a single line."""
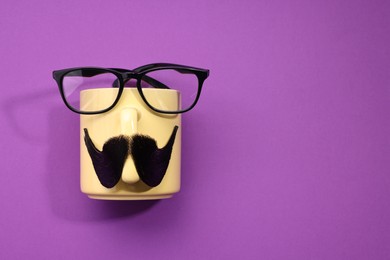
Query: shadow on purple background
{"points": [[22, 112], [63, 176]]}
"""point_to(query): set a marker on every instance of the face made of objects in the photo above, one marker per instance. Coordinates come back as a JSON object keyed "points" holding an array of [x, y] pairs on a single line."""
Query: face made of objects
{"points": [[122, 148]]}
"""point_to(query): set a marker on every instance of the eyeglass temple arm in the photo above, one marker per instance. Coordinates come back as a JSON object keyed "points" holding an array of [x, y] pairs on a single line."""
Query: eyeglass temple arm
{"points": [[179, 68]]}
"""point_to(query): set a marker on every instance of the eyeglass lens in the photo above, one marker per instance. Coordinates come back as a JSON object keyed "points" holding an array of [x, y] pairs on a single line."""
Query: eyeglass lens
{"points": [[83, 80], [185, 84]]}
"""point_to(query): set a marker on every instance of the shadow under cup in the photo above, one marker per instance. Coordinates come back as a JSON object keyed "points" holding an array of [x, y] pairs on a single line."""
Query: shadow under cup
{"points": [[133, 119]]}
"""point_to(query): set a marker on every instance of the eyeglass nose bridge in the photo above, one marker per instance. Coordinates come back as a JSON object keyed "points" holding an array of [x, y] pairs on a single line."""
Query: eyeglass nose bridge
{"points": [[128, 75]]}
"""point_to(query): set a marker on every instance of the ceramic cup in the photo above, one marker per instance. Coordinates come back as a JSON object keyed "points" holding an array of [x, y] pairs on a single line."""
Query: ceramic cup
{"points": [[130, 152]]}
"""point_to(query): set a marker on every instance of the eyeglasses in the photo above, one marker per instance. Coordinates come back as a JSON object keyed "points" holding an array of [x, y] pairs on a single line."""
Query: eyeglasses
{"points": [[184, 81]]}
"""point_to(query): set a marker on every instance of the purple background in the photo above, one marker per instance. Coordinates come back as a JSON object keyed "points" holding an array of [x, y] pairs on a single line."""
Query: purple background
{"points": [[286, 156]]}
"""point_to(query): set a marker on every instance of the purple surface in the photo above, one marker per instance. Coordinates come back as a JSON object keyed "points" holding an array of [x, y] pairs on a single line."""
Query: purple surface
{"points": [[286, 155]]}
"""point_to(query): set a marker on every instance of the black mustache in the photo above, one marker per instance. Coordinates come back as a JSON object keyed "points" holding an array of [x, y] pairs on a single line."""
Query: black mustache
{"points": [[150, 161], [109, 162]]}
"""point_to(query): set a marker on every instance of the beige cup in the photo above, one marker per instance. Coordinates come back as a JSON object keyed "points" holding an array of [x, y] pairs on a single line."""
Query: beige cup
{"points": [[129, 119]]}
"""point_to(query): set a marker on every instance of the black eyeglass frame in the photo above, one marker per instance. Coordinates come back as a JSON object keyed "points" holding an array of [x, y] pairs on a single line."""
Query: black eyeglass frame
{"points": [[124, 75]]}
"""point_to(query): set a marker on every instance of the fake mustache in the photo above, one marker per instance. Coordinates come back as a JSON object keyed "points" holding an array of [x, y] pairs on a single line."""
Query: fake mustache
{"points": [[150, 161]]}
